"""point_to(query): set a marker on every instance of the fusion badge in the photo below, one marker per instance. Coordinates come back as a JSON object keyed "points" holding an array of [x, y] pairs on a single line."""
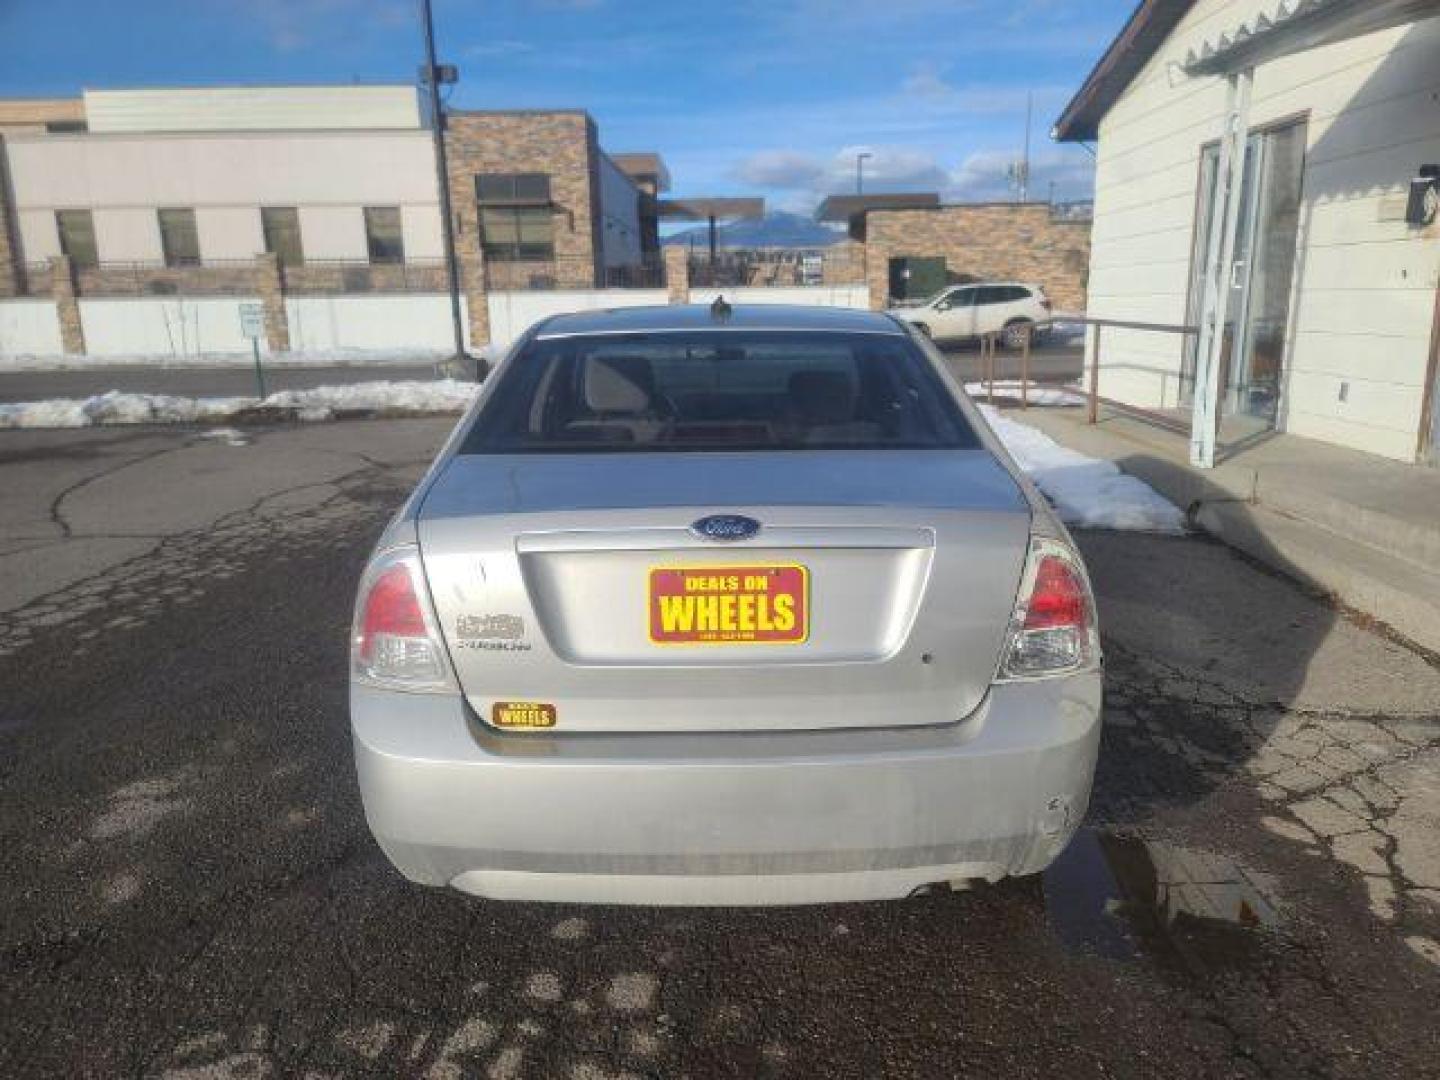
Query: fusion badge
{"points": [[729, 605]]}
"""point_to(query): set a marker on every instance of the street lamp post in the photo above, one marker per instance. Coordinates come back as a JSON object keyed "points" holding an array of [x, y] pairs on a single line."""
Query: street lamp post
{"points": [[860, 171], [433, 75]]}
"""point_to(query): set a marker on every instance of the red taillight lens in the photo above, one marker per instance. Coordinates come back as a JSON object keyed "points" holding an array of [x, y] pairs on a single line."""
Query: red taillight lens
{"points": [[391, 608], [1053, 632], [1058, 596], [394, 643], [1045, 303]]}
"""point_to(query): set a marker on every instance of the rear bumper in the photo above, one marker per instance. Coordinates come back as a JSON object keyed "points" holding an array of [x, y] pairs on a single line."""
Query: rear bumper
{"points": [[793, 817]]}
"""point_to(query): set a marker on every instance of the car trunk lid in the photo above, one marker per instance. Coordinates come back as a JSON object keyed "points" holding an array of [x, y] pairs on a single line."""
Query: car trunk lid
{"points": [[876, 591]]}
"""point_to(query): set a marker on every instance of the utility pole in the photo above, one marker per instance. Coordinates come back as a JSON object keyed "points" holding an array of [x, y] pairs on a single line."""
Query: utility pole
{"points": [[1025, 158], [432, 76], [860, 171]]}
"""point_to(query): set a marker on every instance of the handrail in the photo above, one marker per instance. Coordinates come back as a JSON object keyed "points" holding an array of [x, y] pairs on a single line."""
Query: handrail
{"points": [[989, 343]]}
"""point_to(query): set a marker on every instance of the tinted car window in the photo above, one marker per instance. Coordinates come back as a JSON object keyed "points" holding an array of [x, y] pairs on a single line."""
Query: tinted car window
{"points": [[719, 391], [1003, 294]]}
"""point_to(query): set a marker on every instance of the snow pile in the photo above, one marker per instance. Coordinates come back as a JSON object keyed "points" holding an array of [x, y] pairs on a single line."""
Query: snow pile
{"points": [[437, 396], [1009, 390], [297, 358], [228, 435], [322, 403], [113, 407], [1086, 491]]}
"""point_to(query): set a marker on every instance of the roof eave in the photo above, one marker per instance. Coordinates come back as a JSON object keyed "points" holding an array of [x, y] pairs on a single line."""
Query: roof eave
{"points": [[1141, 37]]}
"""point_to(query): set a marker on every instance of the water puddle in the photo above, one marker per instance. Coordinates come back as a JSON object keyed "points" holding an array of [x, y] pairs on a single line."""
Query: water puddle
{"points": [[1122, 897]]}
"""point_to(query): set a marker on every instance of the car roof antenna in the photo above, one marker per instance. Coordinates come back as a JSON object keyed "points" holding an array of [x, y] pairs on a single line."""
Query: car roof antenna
{"points": [[720, 310]]}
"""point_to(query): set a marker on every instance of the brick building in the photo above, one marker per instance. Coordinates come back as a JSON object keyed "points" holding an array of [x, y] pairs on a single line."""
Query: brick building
{"points": [[1025, 242], [538, 204]]}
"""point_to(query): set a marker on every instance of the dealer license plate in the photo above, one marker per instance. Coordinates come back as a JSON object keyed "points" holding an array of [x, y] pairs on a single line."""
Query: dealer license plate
{"points": [[766, 604]]}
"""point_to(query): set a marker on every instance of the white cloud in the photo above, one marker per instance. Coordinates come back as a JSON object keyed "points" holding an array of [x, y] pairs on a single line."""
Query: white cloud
{"points": [[983, 175], [797, 181], [781, 169], [886, 168]]}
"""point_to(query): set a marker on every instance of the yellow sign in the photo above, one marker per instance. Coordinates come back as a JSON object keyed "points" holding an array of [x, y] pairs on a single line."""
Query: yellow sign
{"points": [[523, 714], [729, 605]]}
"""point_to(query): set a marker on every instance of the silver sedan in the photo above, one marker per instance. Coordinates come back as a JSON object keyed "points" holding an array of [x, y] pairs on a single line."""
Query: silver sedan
{"points": [[736, 606]]}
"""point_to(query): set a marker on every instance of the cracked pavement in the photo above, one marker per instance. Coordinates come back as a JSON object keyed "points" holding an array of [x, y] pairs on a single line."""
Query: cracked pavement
{"points": [[187, 887]]}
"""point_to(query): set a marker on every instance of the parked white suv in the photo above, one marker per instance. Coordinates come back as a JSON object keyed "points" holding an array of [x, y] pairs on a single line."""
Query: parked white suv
{"points": [[1011, 309]]}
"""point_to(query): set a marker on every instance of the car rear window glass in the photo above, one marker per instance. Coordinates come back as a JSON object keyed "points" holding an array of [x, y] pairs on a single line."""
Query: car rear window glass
{"points": [[720, 391]]}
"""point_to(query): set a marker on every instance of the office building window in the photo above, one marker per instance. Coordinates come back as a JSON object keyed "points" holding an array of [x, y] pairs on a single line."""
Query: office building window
{"points": [[77, 236], [281, 225], [179, 239], [517, 233], [383, 236], [517, 221], [513, 189]]}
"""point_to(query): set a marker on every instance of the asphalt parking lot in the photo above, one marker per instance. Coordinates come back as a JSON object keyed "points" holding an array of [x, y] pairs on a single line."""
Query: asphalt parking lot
{"points": [[187, 886]]}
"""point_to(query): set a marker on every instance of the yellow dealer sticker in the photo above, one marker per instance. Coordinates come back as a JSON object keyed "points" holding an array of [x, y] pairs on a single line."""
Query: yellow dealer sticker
{"points": [[523, 714], [762, 604]]}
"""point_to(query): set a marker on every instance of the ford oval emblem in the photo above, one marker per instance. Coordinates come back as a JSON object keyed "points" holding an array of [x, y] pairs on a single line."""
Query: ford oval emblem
{"points": [[725, 527]]}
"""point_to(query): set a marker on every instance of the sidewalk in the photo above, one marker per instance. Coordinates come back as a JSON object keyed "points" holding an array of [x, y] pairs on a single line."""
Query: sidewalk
{"points": [[1361, 528]]}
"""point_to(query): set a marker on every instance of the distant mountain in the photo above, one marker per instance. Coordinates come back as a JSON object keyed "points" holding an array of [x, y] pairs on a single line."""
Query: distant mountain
{"points": [[778, 229]]}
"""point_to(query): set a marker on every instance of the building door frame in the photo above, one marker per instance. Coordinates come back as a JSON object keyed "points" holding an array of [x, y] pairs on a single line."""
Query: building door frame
{"points": [[1427, 449], [1224, 219]]}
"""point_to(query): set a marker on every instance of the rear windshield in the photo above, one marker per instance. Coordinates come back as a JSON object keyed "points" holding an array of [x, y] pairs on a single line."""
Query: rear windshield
{"points": [[725, 390]]}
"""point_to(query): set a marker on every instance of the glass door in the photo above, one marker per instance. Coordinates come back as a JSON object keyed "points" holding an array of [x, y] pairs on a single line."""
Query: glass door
{"points": [[1257, 281]]}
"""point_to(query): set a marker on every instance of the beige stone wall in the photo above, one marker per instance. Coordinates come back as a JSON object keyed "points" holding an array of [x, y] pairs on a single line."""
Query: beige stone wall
{"points": [[677, 274], [1001, 241], [67, 307], [844, 263], [270, 286], [25, 115]]}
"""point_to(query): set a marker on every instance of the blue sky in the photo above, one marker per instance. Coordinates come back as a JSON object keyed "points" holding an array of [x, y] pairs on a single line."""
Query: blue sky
{"points": [[746, 97]]}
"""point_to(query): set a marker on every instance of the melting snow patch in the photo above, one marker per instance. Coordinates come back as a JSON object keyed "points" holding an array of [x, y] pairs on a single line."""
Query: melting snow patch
{"points": [[228, 435], [1086, 491], [320, 403], [1010, 390]]}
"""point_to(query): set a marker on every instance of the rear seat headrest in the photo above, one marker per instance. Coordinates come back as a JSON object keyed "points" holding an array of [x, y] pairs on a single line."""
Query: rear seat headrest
{"points": [[619, 384]]}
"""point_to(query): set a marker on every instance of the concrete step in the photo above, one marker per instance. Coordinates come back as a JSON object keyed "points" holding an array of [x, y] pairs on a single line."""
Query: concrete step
{"points": [[1403, 595], [1392, 507], [1396, 510]]}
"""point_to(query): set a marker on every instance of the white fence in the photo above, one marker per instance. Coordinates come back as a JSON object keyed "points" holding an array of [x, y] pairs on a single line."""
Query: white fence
{"points": [[408, 322], [171, 328], [29, 328], [180, 328], [512, 313]]}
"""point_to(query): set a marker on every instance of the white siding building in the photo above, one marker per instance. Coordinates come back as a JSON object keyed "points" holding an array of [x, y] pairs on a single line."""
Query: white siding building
{"points": [[1327, 313], [328, 152]]}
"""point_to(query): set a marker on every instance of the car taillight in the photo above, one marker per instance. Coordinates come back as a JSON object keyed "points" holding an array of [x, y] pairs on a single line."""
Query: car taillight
{"points": [[1046, 304], [1053, 631], [395, 642]]}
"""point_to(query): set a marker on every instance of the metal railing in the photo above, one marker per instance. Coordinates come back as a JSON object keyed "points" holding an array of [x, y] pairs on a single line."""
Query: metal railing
{"points": [[762, 267], [572, 272], [1090, 390], [228, 277], [35, 279], [648, 273], [325, 277]]}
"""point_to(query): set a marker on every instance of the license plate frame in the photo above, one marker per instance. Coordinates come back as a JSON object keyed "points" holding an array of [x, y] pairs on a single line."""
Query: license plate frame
{"points": [[754, 624]]}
